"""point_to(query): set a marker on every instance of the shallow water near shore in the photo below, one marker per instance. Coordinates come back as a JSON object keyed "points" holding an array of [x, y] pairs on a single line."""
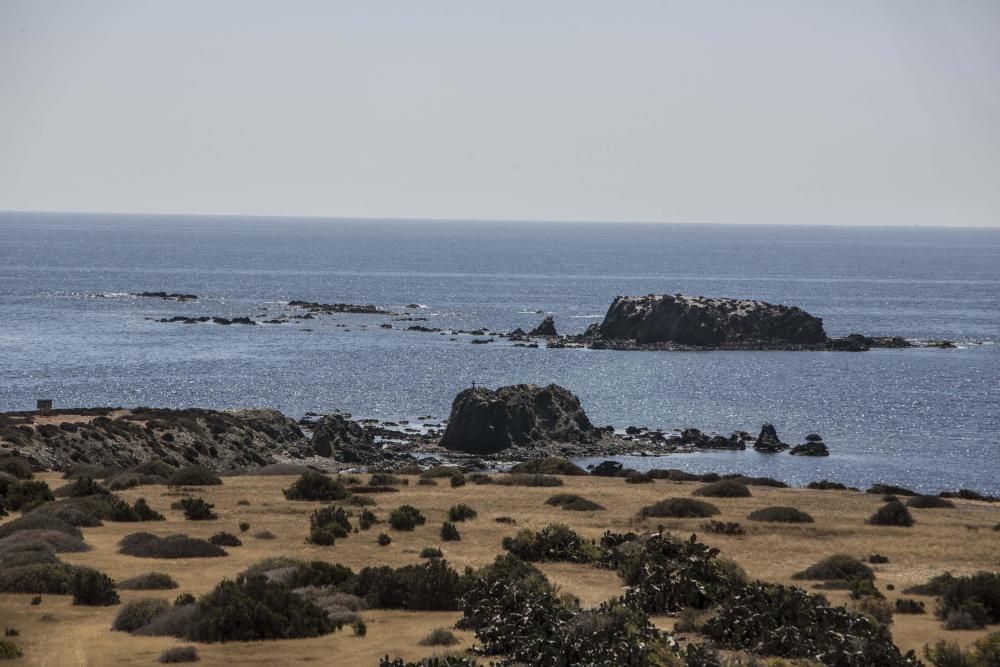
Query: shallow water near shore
{"points": [[925, 418]]}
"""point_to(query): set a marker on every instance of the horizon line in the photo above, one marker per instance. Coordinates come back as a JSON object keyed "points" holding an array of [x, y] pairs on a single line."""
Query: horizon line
{"points": [[329, 218]]}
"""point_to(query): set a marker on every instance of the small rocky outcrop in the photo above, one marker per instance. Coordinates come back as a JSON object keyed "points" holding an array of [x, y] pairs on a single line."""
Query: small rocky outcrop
{"points": [[608, 469], [547, 327], [116, 437], [331, 308], [484, 421], [768, 441], [707, 322], [168, 296], [339, 437], [812, 448]]}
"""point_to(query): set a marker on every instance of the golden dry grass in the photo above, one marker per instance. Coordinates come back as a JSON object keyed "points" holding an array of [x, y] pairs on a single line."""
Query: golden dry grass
{"points": [[960, 540]]}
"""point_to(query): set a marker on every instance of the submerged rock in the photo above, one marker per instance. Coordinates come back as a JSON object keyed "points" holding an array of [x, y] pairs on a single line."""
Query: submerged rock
{"points": [[707, 322], [484, 421], [339, 437]]}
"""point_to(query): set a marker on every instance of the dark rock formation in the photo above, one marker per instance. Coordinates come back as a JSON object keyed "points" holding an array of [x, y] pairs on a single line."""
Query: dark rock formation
{"points": [[852, 343], [115, 437], [768, 441], [705, 322], [484, 421], [329, 308], [339, 437], [810, 448], [546, 327], [169, 296]]}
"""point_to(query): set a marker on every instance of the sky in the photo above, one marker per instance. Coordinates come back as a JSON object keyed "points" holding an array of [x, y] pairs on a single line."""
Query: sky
{"points": [[882, 112]]}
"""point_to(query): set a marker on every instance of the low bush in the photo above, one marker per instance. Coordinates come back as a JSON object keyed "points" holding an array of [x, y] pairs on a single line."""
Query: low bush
{"points": [[278, 469], [969, 494], [555, 542], [327, 524], [16, 467], [461, 512], [431, 552], [38, 521], [892, 514], [81, 487], [440, 637], [265, 535], [244, 526], [138, 613], [174, 621], [431, 586], [878, 559], [479, 478], [406, 517], [360, 628], [143, 512], [147, 545], [724, 488], [316, 486], [92, 588], [9, 650], [877, 609], [224, 539], [573, 503], [151, 581], [253, 609], [80, 512], [976, 595], [910, 606], [553, 465], [883, 489], [426, 482], [826, 485], [680, 508], [360, 501], [184, 599], [367, 519], [385, 479], [929, 502], [179, 654], [154, 467], [984, 652], [788, 622], [441, 471], [58, 542], [723, 528], [196, 509], [839, 567], [636, 477], [527, 480], [25, 495], [384, 540], [52, 578], [457, 482], [449, 533], [779, 514], [194, 476], [506, 520]]}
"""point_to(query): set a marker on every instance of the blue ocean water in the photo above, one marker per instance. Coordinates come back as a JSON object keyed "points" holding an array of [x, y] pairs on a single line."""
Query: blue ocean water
{"points": [[927, 418]]}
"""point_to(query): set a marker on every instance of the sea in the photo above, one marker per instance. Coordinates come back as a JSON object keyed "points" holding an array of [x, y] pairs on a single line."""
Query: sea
{"points": [[928, 419]]}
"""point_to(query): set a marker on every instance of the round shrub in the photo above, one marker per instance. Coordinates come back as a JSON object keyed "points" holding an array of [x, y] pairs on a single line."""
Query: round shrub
{"points": [[23, 496], [406, 518], [244, 526], [780, 514], [265, 535], [431, 552], [138, 613], [196, 509], [680, 508], [224, 539], [150, 581], [929, 502], [367, 519], [449, 533], [316, 486], [50, 578], [892, 514], [384, 540], [9, 650], [724, 488], [59, 542], [461, 512], [440, 637], [573, 503], [360, 628], [38, 521], [92, 588], [839, 567], [426, 482], [553, 465], [174, 621], [194, 476], [555, 542], [180, 654], [16, 467]]}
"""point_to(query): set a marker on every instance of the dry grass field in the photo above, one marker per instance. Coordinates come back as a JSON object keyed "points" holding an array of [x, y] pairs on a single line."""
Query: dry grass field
{"points": [[960, 540]]}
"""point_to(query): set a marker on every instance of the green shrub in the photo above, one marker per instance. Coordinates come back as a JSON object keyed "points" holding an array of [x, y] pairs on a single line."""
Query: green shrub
{"points": [[406, 518], [82, 487], [553, 465], [977, 596], [555, 542], [449, 533], [144, 512], [327, 524], [194, 476], [224, 539], [25, 495], [680, 508], [49, 578], [138, 613], [244, 526], [788, 622], [779, 514], [385, 479], [426, 482], [92, 588], [457, 482], [461, 512], [929, 502], [636, 477], [876, 608], [253, 609], [184, 599], [431, 586], [878, 559], [172, 622], [38, 521], [16, 467], [196, 509], [884, 489], [264, 535], [151, 581], [360, 628], [909, 606], [723, 528], [824, 485], [527, 480], [724, 488], [180, 654], [440, 637], [27, 540], [431, 552], [147, 545], [441, 471], [9, 650], [573, 503], [316, 486], [384, 540], [893, 513], [839, 567]]}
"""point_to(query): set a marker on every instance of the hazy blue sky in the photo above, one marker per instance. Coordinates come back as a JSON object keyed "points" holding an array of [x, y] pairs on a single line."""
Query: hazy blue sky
{"points": [[797, 111]]}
